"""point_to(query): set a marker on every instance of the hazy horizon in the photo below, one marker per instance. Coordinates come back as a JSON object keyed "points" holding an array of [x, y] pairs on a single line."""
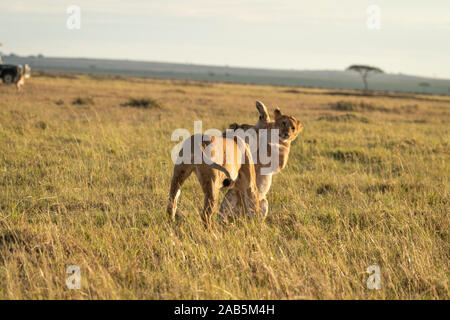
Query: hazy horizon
{"points": [[283, 35], [213, 65]]}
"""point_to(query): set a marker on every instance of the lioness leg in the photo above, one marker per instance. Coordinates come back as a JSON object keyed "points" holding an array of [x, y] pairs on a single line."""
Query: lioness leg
{"points": [[246, 184], [180, 173], [251, 202], [264, 207], [211, 196], [231, 204]]}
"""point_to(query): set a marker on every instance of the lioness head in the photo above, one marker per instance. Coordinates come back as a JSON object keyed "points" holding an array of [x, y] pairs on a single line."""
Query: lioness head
{"points": [[289, 126]]}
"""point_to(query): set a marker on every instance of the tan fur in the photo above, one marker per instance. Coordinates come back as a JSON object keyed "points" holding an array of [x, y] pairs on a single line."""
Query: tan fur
{"points": [[212, 177], [264, 118], [20, 83], [289, 128]]}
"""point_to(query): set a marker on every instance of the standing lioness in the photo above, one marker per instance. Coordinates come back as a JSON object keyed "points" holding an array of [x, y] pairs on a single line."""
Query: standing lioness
{"points": [[228, 165], [20, 83], [288, 129]]}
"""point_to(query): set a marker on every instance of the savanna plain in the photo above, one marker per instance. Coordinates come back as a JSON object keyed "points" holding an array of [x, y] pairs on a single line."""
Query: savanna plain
{"points": [[85, 169]]}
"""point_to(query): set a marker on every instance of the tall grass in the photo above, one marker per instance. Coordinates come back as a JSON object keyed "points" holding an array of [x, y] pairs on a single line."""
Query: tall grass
{"points": [[87, 185]]}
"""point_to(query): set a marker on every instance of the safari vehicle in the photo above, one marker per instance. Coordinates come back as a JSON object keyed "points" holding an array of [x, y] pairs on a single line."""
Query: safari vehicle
{"points": [[10, 73]]}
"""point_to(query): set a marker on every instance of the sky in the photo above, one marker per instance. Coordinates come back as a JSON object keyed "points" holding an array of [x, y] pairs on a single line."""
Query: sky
{"points": [[413, 38]]}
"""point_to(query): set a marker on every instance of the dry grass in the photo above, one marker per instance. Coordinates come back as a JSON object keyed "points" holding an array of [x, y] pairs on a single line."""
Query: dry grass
{"points": [[87, 184]]}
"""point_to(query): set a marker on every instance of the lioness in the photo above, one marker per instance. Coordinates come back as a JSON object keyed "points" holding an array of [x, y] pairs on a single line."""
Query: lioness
{"points": [[215, 171], [289, 128], [238, 172], [20, 83]]}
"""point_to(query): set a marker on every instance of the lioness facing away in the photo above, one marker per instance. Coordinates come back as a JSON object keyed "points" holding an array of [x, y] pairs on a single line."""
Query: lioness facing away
{"points": [[215, 172]]}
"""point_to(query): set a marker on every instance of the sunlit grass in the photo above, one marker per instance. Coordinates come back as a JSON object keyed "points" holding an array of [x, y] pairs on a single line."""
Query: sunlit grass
{"points": [[87, 184]]}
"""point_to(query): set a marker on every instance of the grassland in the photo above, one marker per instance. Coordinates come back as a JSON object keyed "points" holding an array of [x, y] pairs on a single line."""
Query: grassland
{"points": [[84, 175]]}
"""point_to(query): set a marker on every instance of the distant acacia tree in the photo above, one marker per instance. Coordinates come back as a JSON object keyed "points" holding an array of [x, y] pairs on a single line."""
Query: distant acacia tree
{"points": [[424, 85], [364, 71]]}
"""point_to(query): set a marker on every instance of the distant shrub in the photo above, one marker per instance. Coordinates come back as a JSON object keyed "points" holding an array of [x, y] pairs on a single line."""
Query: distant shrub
{"points": [[53, 74], [355, 156], [382, 187], [193, 83], [292, 91], [407, 108], [145, 103], [102, 77], [365, 106], [41, 125], [348, 155], [353, 106], [83, 101], [343, 118], [177, 91], [325, 188]]}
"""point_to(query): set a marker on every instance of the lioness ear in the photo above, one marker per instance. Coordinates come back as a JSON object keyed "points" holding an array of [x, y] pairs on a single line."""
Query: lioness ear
{"points": [[233, 126], [277, 113], [263, 114]]}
